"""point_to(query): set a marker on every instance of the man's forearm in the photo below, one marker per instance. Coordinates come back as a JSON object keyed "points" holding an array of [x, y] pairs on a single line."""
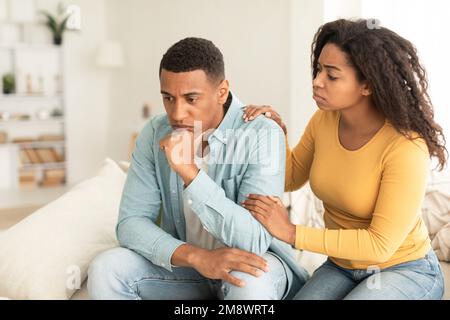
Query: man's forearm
{"points": [[186, 255]]}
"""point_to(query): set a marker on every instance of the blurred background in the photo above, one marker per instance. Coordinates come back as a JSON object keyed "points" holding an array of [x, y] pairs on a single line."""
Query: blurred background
{"points": [[79, 78]]}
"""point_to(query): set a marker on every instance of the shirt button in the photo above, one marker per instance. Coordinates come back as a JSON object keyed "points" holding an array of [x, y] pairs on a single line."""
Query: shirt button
{"points": [[173, 191], [189, 201]]}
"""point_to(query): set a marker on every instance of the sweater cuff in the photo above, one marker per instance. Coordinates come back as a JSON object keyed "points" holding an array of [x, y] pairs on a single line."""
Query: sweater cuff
{"points": [[299, 237]]}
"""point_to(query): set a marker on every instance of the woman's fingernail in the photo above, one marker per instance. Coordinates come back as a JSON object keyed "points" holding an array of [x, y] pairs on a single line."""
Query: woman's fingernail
{"points": [[259, 273], [251, 118]]}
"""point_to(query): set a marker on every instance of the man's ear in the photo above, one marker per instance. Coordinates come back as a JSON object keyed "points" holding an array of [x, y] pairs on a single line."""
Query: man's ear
{"points": [[366, 90], [224, 89]]}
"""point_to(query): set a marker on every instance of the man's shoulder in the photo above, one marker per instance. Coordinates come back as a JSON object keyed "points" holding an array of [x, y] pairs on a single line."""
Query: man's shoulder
{"points": [[261, 122]]}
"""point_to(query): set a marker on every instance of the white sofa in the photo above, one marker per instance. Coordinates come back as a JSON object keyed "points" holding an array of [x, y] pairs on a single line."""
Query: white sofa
{"points": [[46, 255]]}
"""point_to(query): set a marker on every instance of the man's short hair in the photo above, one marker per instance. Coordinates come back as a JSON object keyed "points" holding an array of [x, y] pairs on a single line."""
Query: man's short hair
{"points": [[192, 54]]}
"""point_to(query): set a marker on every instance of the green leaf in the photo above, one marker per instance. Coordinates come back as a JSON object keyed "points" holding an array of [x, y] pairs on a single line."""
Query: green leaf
{"points": [[63, 24], [51, 21]]}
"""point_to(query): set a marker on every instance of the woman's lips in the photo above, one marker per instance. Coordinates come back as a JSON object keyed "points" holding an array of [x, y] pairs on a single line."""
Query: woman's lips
{"points": [[318, 98]]}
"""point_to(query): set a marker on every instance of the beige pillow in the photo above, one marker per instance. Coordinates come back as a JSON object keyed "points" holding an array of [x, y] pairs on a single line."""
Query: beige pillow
{"points": [[46, 255]]}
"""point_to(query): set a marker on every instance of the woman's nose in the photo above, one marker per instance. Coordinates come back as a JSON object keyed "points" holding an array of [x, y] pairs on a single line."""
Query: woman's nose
{"points": [[317, 81]]}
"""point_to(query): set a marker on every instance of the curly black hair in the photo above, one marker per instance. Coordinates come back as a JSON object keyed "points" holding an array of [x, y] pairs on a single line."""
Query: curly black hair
{"points": [[391, 67], [192, 54]]}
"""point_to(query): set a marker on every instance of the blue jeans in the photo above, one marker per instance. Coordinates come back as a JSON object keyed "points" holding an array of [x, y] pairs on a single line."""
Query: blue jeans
{"points": [[420, 279], [120, 273]]}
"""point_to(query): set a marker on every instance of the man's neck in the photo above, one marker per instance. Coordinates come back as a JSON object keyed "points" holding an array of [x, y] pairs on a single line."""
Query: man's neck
{"points": [[216, 123]]}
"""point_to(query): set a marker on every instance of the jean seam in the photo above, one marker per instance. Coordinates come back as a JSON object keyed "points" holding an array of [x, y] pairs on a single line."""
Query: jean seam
{"points": [[429, 291], [168, 280], [280, 278]]}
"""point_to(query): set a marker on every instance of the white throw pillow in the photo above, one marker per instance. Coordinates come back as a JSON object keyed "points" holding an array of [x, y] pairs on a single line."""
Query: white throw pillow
{"points": [[46, 255]]}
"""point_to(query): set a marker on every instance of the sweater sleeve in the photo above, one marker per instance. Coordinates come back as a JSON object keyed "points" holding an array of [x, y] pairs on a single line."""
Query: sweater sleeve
{"points": [[397, 210], [299, 159]]}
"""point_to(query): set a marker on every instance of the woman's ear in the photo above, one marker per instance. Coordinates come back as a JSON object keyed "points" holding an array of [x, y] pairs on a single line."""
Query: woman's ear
{"points": [[224, 89], [366, 90]]}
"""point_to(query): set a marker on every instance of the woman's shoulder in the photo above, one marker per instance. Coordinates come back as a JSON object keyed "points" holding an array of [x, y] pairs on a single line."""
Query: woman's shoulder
{"points": [[407, 145]]}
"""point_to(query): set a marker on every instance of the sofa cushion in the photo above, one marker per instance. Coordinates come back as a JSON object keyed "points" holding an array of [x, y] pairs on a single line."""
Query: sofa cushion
{"points": [[46, 255]]}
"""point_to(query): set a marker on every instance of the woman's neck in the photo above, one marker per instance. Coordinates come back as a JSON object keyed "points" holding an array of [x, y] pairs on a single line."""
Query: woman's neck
{"points": [[361, 119]]}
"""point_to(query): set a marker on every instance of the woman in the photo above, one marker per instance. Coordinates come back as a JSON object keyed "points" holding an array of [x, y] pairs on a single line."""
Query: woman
{"points": [[366, 153]]}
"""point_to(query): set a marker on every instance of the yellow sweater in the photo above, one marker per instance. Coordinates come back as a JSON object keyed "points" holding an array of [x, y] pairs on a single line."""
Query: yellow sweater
{"points": [[372, 196]]}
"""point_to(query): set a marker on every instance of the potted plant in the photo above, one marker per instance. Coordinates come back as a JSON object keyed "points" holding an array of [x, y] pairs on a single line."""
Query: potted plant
{"points": [[57, 24], [9, 83]]}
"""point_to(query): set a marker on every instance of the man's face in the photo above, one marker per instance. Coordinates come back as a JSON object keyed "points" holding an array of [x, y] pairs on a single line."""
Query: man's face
{"points": [[192, 96]]}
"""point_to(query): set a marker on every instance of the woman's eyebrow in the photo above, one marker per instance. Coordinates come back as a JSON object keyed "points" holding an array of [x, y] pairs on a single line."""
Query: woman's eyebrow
{"points": [[328, 66]]}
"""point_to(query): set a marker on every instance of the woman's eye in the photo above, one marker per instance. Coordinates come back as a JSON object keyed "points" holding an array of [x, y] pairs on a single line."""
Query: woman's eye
{"points": [[331, 78]]}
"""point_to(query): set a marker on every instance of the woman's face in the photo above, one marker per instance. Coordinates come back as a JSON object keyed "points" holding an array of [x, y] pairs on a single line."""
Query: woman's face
{"points": [[336, 86]]}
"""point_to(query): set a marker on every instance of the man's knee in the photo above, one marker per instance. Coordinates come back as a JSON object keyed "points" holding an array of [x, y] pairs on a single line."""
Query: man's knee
{"points": [[107, 274], [269, 286]]}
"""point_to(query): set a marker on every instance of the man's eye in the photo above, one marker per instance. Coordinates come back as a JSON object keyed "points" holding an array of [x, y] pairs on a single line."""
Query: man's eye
{"points": [[192, 100], [169, 99]]}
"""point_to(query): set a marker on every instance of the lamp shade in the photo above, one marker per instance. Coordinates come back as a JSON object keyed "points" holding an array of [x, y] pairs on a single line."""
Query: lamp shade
{"points": [[110, 54]]}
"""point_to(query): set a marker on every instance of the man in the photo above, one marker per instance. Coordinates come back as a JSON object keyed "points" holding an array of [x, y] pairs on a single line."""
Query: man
{"points": [[196, 163]]}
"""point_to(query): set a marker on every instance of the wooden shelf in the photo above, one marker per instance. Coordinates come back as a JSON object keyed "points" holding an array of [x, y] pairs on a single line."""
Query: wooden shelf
{"points": [[13, 96], [14, 122], [29, 46], [48, 165], [38, 144], [37, 67]]}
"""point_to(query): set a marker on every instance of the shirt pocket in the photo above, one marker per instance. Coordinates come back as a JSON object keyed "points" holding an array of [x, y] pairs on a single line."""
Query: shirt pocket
{"points": [[231, 187]]}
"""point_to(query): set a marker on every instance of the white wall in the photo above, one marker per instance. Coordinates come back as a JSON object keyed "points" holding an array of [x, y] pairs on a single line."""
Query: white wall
{"points": [[305, 18]]}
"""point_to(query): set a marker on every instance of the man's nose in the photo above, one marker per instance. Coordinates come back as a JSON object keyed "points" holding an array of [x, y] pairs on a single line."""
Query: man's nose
{"points": [[179, 112]]}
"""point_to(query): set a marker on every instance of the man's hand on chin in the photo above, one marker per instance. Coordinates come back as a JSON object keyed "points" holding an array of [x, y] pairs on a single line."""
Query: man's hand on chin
{"points": [[178, 147]]}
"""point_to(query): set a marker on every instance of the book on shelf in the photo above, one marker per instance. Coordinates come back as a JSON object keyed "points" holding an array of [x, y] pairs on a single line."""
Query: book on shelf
{"points": [[3, 137], [24, 159], [51, 137], [23, 140], [27, 179], [32, 155], [46, 155], [40, 155], [27, 185], [25, 175], [50, 182], [57, 156], [54, 174]]}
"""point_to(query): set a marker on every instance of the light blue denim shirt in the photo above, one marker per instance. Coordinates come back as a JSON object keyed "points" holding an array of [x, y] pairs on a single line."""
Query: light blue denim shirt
{"points": [[245, 157]]}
